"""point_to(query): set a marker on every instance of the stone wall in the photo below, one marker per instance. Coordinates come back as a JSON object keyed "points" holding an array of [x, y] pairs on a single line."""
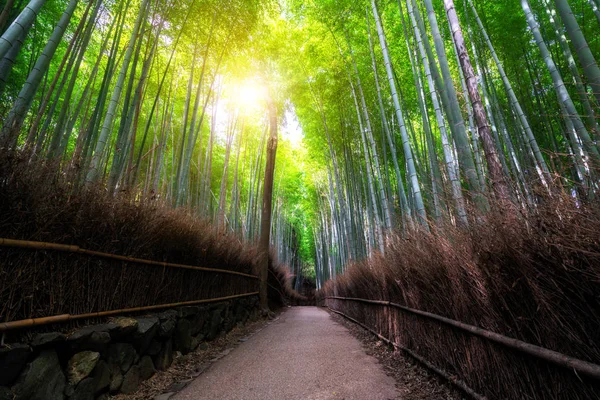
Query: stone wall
{"points": [[114, 357]]}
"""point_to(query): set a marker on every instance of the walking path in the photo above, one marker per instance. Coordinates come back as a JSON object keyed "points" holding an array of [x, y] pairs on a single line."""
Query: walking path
{"points": [[304, 355]]}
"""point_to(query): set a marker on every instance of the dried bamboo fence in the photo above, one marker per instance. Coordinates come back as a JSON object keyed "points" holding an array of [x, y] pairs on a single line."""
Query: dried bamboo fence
{"points": [[570, 364], [25, 244], [79, 271]]}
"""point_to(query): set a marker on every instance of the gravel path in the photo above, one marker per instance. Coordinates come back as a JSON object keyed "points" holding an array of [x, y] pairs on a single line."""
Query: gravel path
{"points": [[304, 355]]}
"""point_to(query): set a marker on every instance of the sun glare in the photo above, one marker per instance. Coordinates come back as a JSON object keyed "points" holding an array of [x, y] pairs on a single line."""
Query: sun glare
{"points": [[249, 96]]}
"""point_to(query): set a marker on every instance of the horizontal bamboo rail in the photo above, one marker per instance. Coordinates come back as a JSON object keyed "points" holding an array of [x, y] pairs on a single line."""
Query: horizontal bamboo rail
{"points": [[452, 379], [55, 319], [25, 244], [563, 360]]}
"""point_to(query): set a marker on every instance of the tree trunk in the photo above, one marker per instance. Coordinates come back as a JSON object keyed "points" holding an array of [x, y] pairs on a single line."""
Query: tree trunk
{"points": [[376, 219], [103, 139], [136, 166], [512, 97], [265, 222], [559, 86], [450, 161], [221, 223], [16, 117], [586, 58], [196, 126], [5, 14], [590, 118], [21, 24], [58, 141], [457, 123], [408, 154], [387, 216], [483, 126], [10, 58], [595, 9]]}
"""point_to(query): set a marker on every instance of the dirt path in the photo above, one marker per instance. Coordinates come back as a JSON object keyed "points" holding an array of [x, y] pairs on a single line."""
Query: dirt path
{"points": [[304, 355]]}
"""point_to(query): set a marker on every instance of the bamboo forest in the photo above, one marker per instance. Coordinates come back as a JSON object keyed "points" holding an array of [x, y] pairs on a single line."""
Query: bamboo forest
{"points": [[425, 173]]}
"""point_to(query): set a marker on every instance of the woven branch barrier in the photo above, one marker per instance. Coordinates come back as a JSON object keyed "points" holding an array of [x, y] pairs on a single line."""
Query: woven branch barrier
{"points": [[25, 244], [551, 356], [452, 379], [56, 319]]}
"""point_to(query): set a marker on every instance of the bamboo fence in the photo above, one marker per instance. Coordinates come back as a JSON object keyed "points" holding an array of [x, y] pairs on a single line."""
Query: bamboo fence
{"points": [[551, 356], [62, 318]]}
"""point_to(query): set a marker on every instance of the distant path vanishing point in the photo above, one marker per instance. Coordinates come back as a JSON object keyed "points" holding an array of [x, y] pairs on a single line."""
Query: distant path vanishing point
{"points": [[304, 355]]}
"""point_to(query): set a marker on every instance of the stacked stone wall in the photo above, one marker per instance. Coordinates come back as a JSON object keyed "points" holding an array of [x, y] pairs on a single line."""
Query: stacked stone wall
{"points": [[113, 357]]}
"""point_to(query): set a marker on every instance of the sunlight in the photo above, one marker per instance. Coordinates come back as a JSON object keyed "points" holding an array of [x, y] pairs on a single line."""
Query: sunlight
{"points": [[240, 98], [249, 96]]}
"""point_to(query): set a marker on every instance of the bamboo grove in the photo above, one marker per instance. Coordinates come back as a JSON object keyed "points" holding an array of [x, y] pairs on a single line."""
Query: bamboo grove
{"points": [[435, 112], [146, 97], [415, 113]]}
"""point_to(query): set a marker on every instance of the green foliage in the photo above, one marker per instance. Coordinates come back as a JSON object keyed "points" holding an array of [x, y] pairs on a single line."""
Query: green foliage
{"points": [[297, 52]]}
